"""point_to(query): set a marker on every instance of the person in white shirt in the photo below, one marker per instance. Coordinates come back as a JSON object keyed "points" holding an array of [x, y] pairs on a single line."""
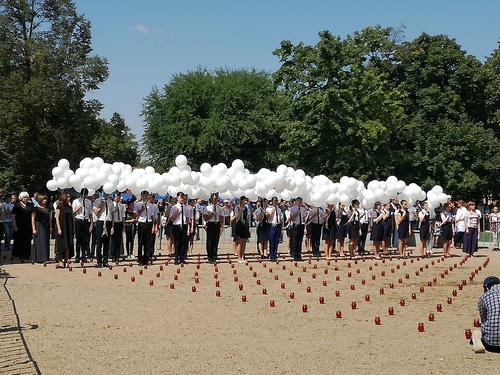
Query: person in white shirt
{"points": [[82, 209], [459, 225], [262, 227], [363, 225], [180, 216], [103, 209], [214, 224], [314, 224], [495, 228], [146, 212], [297, 215], [118, 227], [472, 228], [275, 220]]}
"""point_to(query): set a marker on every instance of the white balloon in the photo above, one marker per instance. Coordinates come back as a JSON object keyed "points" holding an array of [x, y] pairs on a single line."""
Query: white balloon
{"points": [[75, 181], [437, 189], [400, 186], [61, 182], [57, 172], [238, 165], [86, 163], [149, 170], [63, 164], [97, 162], [205, 169], [52, 185], [180, 161], [108, 187]]}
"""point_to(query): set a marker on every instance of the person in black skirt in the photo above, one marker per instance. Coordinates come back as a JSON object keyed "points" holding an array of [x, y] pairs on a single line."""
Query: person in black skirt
{"points": [[353, 227], [41, 223], [130, 229], [403, 226], [65, 225], [21, 226], [329, 230], [446, 228], [342, 219], [262, 227], [424, 218], [387, 224], [241, 228], [377, 230]]}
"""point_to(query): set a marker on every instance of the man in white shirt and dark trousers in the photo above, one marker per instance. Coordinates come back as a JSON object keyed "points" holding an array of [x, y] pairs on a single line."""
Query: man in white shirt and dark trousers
{"points": [[180, 216], [103, 210], [275, 220], [118, 225], [147, 213], [297, 216], [214, 220], [314, 225], [363, 225], [82, 209]]}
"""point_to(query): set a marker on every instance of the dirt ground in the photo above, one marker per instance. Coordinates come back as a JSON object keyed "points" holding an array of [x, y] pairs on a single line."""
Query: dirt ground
{"points": [[84, 324]]}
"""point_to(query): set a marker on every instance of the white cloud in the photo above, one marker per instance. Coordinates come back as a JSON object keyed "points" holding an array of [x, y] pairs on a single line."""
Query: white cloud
{"points": [[140, 28]]}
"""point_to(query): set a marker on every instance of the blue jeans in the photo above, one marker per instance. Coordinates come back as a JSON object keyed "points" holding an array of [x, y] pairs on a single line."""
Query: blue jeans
{"points": [[7, 228], [274, 238]]}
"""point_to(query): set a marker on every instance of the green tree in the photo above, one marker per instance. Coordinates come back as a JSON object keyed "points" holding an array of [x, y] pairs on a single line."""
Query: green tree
{"points": [[345, 112], [114, 141], [214, 117], [46, 69]]}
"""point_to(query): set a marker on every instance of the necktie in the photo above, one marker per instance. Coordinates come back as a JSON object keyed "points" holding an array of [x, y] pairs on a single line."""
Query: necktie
{"points": [[118, 209], [182, 215], [318, 215], [106, 204], [215, 212], [83, 200], [147, 218], [300, 217]]}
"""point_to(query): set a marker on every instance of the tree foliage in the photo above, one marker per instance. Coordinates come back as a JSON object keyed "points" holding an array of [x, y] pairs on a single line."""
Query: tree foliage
{"points": [[215, 117], [46, 69]]}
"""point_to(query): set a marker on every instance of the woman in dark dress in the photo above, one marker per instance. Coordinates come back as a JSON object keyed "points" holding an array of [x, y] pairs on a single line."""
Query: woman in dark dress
{"points": [[40, 222], [329, 230], [446, 228], [342, 220], [21, 225], [65, 229], [262, 227], [377, 231], [425, 229], [403, 223], [241, 229]]}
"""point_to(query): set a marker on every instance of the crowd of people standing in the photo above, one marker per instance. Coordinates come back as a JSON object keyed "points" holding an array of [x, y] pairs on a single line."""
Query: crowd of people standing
{"points": [[104, 226]]}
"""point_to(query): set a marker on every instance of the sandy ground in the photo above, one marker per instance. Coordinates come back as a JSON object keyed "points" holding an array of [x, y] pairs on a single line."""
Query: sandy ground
{"points": [[85, 324]]}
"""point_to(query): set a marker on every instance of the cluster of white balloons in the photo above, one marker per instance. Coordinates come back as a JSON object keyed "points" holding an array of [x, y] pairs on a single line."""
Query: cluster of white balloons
{"points": [[235, 181]]}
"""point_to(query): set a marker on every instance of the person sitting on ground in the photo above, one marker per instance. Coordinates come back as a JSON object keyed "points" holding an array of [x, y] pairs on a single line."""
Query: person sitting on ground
{"points": [[489, 311]]}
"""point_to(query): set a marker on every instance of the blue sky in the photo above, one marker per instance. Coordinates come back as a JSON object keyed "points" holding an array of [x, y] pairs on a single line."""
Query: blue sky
{"points": [[148, 41]]}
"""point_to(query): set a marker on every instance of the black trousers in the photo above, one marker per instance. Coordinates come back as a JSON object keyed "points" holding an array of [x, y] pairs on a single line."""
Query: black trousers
{"points": [[362, 238], [129, 239], [179, 233], [213, 234], [116, 240], [297, 238], [102, 233], [315, 238], [82, 238], [144, 239]]}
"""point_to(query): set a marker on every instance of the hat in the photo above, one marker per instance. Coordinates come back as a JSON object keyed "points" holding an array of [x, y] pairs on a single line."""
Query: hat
{"points": [[489, 282]]}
